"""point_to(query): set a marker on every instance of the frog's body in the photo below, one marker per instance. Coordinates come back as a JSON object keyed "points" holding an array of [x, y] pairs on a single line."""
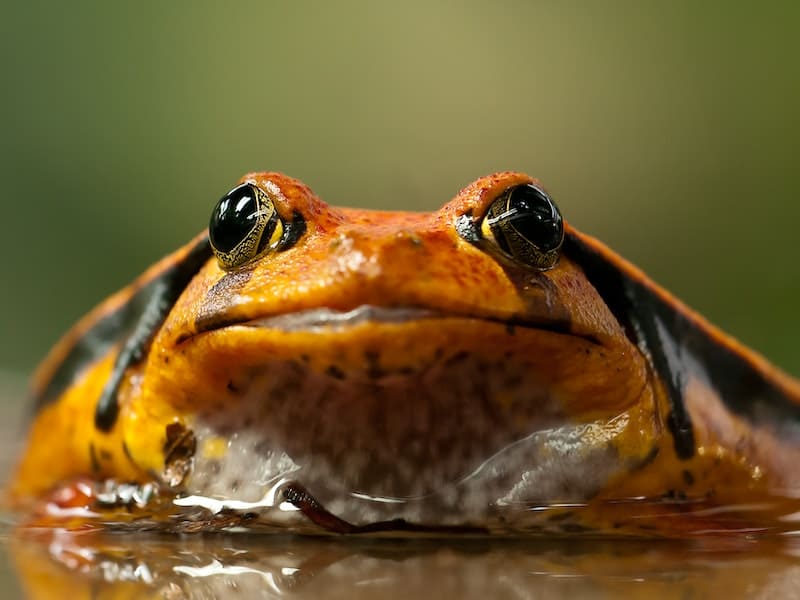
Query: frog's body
{"points": [[384, 370]]}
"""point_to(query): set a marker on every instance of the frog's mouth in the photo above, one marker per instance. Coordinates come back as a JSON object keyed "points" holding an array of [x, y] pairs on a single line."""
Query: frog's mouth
{"points": [[329, 318], [384, 413], [316, 318]]}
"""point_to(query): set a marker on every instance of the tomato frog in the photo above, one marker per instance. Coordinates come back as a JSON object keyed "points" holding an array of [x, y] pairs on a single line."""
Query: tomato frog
{"points": [[482, 369]]}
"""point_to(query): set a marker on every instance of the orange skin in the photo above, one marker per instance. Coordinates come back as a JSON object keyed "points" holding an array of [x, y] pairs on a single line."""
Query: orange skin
{"points": [[349, 258]]}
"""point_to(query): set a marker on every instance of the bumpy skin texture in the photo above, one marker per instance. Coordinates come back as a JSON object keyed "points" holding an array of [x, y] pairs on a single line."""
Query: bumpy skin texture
{"points": [[407, 407]]}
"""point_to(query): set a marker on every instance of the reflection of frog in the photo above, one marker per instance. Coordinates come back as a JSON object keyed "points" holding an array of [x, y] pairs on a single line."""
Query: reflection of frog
{"points": [[434, 369]]}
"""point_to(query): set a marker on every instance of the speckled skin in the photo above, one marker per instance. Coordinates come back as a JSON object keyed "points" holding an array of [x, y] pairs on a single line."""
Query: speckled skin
{"points": [[504, 361]]}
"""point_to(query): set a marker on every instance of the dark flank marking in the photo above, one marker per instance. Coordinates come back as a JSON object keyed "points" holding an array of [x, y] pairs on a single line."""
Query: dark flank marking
{"points": [[510, 329], [232, 387], [105, 333], [91, 346], [296, 494], [679, 347], [680, 426], [688, 478], [636, 308], [93, 458], [105, 454], [746, 391], [161, 295]]}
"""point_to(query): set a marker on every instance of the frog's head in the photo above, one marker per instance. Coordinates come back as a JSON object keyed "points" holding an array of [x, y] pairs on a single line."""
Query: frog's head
{"points": [[398, 364]]}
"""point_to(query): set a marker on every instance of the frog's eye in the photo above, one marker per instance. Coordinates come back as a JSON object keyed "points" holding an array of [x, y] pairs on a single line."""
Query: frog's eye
{"points": [[525, 224], [243, 226]]}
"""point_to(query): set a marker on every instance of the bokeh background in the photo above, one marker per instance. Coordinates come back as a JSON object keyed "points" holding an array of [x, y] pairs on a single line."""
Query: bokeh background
{"points": [[670, 130]]}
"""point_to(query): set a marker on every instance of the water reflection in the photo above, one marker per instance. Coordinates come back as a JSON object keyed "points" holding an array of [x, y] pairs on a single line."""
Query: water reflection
{"points": [[90, 564]]}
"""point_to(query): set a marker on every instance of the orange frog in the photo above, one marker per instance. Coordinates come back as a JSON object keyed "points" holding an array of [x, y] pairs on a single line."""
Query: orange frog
{"points": [[480, 369]]}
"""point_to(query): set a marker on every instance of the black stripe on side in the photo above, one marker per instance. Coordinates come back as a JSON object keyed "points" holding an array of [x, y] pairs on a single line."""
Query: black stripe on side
{"points": [[162, 293], [679, 346], [105, 333], [89, 348], [637, 309]]}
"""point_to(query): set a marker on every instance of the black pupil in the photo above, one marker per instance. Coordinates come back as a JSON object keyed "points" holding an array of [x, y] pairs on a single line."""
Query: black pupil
{"points": [[233, 218], [535, 217]]}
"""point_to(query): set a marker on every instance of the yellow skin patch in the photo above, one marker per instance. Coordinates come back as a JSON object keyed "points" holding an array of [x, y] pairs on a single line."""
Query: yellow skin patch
{"points": [[489, 353]]}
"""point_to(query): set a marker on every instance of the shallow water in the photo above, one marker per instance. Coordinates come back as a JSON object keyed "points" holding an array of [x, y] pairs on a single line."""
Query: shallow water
{"points": [[47, 565]]}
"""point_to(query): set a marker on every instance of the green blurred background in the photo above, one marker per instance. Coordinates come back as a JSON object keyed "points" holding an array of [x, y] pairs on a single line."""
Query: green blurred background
{"points": [[669, 130]]}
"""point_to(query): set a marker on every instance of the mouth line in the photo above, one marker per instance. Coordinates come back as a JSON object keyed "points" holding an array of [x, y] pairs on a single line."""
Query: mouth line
{"points": [[329, 319]]}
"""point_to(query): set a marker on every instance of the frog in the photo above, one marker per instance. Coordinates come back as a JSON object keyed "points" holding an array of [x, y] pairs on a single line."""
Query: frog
{"points": [[481, 369]]}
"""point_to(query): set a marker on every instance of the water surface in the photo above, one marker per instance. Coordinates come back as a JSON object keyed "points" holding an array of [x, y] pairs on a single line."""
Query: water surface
{"points": [[49, 565]]}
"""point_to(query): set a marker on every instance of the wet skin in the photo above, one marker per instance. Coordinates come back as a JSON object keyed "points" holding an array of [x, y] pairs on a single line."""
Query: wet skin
{"points": [[376, 371]]}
